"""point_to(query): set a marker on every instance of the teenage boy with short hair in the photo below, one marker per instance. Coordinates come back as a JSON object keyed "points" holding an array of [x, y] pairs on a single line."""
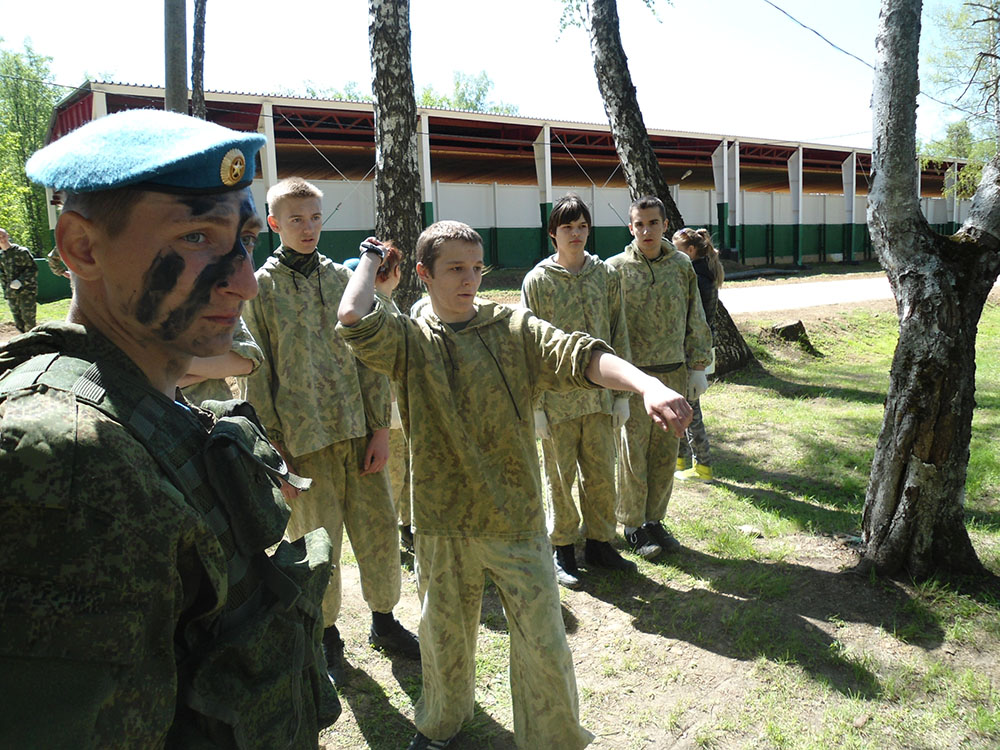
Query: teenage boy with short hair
{"points": [[327, 414], [467, 376], [670, 341], [577, 291]]}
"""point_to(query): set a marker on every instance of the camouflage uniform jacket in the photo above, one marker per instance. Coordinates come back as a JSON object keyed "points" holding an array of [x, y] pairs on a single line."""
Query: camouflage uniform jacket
{"points": [[590, 301], [114, 581], [666, 322], [217, 389], [310, 392], [465, 400], [16, 262]]}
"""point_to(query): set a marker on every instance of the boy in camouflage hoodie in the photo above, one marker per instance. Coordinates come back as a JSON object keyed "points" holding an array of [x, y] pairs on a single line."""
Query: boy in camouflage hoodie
{"points": [[327, 414], [577, 291], [672, 342], [467, 375]]}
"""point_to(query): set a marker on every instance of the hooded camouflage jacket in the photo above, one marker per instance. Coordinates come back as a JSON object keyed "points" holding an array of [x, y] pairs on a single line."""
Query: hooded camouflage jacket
{"points": [[666, 322], [310, 392], [590, 301], [465, 400]]}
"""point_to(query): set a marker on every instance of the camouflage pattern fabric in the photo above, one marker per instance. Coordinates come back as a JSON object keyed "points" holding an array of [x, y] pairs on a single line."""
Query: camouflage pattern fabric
{"points": [[450, 579], [399, 450], [218, 389], [666, 322], [112, 576], [586, 443], [18, 265], [340, 497], [647, 459], [477, 503], [695, 442], [589, 301], [55, 262], [473, 476], [310, 392], [579, 421]]}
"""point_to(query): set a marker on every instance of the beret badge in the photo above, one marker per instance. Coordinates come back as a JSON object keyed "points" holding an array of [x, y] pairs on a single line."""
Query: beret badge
{"points": [[233, 166]]}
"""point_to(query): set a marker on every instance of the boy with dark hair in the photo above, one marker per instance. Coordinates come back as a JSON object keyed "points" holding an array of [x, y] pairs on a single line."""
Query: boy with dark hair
{"points": [[328, 415], [577, 291], [671, 342], [467, 376]]}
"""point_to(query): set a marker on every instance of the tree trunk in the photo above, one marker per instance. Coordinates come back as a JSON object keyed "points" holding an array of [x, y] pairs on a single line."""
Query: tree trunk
{"points": [[639, 163], [397, 177], [914, 520], [175, 59], [198, 61]]}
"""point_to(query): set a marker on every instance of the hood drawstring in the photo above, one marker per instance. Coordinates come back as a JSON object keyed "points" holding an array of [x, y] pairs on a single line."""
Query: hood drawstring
{"points": [[652, 276], [319, 279], [502, 376]]}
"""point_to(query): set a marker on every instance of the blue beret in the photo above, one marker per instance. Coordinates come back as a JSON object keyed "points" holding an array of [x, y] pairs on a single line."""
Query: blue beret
{"points": [[148, 148], [352, 263]]}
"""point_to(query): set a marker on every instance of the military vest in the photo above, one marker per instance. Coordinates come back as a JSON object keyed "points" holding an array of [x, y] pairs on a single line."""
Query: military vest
{"points": [[252, 675]]}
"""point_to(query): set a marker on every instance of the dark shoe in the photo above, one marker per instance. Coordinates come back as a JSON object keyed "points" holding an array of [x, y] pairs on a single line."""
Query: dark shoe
{"points": [[426, 743], [406, 538], [333, 645], [603, 555], [567, 574], [642, 543], [395, 639], [661, 536]]}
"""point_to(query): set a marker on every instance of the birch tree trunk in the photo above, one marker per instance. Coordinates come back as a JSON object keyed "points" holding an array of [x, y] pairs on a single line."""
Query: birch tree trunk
{"points": [[175, 98], [914, 520], [397, 178], [639, 163], [198, 61]]}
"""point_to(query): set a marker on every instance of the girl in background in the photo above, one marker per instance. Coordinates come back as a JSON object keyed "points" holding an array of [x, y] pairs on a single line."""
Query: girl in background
{"points": [[694, 461]]}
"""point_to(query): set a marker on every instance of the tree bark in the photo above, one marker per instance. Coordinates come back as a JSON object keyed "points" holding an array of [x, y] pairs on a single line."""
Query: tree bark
{"points": [[397, 177], [175, 60], [639, 163], [198, 108], [914, 521]]}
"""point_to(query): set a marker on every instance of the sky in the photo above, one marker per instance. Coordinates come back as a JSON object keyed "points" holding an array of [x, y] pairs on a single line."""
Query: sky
{"points": [[737, 68]]}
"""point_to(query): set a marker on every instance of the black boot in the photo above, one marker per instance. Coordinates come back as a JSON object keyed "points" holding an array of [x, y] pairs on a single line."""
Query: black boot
{"points": [[333, 645], [567, 574], [603, 555]]}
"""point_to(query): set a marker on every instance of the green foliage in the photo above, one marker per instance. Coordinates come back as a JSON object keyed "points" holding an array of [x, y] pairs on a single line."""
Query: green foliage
{"points": [[27, 98], [575, 12], [961, 141], [351, 92], [471, 92], [965, 64]]}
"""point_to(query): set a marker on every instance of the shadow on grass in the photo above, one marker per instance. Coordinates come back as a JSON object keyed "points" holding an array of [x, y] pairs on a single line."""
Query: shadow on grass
{"points": [[384, 727], [753, 609], [764, 378]]}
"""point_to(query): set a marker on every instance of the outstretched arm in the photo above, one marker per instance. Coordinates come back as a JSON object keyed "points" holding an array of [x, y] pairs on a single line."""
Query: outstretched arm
{"points": [[667, 408]]}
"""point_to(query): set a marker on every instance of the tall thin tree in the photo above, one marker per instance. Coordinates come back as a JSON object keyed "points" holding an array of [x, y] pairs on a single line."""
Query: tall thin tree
{"points": [[198, 61], [397, 177], [639, 163], [914, 521], [175, 56]]}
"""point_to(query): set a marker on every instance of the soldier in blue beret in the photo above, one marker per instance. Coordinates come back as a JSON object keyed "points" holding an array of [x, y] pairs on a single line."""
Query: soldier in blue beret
{"points": [[140, 607]]}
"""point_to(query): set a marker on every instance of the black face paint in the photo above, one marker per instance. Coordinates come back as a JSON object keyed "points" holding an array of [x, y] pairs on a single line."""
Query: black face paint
{"points": [[213, 275], [157, 283]]}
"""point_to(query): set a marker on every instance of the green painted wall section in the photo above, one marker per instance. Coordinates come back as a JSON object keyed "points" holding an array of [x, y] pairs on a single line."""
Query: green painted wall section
{"points": [[427, 209], [50, 286]]}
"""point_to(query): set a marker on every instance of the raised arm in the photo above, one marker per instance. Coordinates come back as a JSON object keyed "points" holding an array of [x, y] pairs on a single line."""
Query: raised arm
{"points": [[359, 296]]}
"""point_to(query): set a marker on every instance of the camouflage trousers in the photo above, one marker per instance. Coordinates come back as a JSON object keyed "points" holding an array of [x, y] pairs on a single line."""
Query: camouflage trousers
{"points": [[22, 305], [586, 444], [695, 441], [450, 580], [399, 475], [340, 497], [647, 459]]}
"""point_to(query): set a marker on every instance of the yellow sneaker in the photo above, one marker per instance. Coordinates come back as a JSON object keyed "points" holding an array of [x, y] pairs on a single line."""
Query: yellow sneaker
{"points": [[697, 473], [683, 463]]}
